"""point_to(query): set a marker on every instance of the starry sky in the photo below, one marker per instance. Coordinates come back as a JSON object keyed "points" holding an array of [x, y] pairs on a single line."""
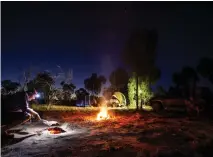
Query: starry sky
{"points": [[89, 37]]}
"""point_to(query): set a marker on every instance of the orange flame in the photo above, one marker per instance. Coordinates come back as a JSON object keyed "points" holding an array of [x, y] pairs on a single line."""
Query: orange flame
{"points": [[103, 114]]}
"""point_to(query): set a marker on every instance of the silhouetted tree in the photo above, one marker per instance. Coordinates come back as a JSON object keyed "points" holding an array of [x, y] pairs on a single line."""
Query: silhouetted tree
{"points": [[139, 54], [187, 80], [31, 85], [94, 83], [44, 81], [154, 76], [190, 79], [68, 89], [205, 68], [119, 79], [81, 93], [177, 79], [108, 92], [9, 86], [161, 91]]}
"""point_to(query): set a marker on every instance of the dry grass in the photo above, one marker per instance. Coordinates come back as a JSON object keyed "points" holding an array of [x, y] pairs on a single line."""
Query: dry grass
{"points": [[44, 107], [62, 108], [76, 109]]}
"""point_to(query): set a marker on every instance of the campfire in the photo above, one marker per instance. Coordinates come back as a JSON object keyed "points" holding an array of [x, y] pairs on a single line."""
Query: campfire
{"points": [[103, 114], [56, 130]]}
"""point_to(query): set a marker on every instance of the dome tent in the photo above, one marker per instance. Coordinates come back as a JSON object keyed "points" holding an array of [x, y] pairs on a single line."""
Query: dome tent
{"points": [[121, 99]]}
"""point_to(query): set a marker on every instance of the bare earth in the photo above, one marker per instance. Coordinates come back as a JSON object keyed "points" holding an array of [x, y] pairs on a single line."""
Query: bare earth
{"points": [[125, 134]]}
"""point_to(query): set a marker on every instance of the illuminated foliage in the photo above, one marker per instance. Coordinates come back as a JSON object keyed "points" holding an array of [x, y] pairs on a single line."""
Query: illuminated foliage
{"points": [[132, 92], [145, 93], [140, 54]]}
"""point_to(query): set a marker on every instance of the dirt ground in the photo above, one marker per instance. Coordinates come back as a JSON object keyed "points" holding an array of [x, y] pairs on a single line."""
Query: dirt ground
{"points": [[126, 134]]}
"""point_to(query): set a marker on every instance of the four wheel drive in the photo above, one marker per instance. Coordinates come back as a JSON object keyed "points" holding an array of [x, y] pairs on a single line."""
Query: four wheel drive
{"points": [[176, 104]]}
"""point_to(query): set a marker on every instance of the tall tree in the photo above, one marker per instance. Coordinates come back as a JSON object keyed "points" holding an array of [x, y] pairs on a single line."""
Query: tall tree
{"points": [[145, 93], [187, 80], [44, 81], [205, 68], [190, 79], [177, 79], [119, 78], [94, 83], [132, 91], [108, 92], [161, 91], [139, 54], [154, 76]]}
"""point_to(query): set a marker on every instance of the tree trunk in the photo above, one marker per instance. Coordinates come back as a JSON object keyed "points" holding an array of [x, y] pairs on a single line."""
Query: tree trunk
{"points": [[194, 89], [136, 91]]}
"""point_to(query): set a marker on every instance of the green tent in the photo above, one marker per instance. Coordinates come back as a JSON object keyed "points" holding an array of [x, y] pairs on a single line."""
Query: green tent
{"points": [[120, 97]]}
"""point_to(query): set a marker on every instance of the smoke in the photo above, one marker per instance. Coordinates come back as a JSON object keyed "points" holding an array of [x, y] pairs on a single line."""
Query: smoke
{"points": [[107, 66]]}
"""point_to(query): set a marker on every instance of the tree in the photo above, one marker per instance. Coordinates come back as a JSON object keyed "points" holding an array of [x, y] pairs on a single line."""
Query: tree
{"points": [[144, 89], [119, 78], [139, 54], [190, 79], [68, 89], [9, 86], [161, 91], [132, 91], [205, 68], [44, 81], [31, 85], [187, 80], [177, 79], [94, 83], [107, 92], [145, 93], [81, 93], [154, 76]]}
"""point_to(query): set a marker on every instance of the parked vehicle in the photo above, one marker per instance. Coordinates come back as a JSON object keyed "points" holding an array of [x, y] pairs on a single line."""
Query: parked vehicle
{"points": [[167, 103], [176, 104]]}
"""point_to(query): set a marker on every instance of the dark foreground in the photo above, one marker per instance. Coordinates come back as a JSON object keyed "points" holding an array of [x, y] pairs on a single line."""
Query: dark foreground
{"points": [[126, 134]]}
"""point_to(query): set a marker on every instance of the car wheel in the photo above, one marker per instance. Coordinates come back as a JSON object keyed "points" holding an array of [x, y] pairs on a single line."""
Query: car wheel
{"points": [[157, 107]]}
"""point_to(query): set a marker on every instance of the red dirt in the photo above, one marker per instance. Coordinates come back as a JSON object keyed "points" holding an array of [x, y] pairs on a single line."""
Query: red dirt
{"points": [[124, 134], [137, 132]]}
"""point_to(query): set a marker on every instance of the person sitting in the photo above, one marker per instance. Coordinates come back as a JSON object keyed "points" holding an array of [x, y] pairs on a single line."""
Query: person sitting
{"points": [[25, 106], [15, 102]]}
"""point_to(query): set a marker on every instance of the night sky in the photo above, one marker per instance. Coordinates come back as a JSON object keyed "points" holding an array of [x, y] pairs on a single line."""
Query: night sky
{"points": [[89, 36]]}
